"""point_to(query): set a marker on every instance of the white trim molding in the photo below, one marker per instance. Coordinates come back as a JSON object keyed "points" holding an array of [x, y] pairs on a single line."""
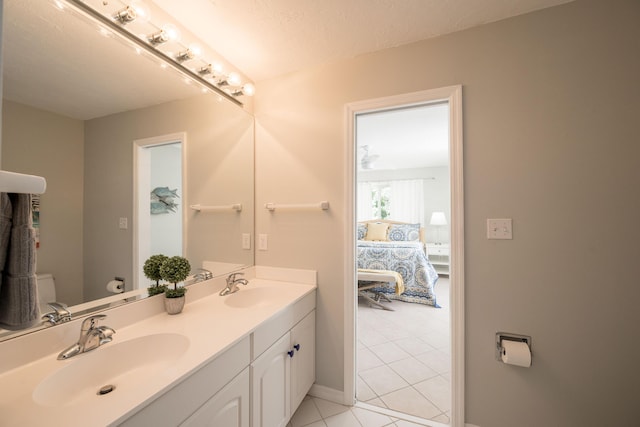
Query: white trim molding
{"points": [[453, 96]]}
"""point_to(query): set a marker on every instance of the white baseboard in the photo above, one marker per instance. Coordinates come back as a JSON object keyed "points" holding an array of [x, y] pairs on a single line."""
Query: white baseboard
{"points": [[330, 394]]}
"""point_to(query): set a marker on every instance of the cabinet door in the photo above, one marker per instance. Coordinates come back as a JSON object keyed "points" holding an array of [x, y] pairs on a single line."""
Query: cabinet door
{"points": [[270, 380], [229, 407], [303, 363]]}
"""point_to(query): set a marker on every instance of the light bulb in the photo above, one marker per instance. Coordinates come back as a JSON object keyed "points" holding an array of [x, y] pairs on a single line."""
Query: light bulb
{"points": [[195, 49], [217, 68], [171, 32], [168, 32], [233, 79], [248, 89], [141, 10]]}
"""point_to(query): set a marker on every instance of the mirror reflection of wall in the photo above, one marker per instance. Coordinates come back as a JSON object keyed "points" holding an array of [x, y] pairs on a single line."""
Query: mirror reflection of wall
{"points": [[74, 103]]}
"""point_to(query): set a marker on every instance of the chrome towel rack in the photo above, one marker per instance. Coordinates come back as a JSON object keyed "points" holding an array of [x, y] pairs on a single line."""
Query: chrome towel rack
{"points": [[323, 205], [234, 207]]}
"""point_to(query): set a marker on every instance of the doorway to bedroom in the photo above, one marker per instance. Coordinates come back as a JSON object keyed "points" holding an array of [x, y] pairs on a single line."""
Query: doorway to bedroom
{"points": [[403, 207]]}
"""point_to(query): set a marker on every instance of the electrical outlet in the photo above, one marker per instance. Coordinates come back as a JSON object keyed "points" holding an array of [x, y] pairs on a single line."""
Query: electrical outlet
{"points": [[123, 224], [499, 229], [263, 242]]}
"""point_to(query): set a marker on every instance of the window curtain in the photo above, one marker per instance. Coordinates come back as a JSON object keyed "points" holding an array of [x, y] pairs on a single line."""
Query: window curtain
{"points": [[407, 201], [364, 201]]}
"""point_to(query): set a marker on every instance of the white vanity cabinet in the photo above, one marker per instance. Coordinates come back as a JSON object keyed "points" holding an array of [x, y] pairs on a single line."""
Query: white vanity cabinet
{"points": [[283, 374], [259, 381], [205, 396], [229, 407]]}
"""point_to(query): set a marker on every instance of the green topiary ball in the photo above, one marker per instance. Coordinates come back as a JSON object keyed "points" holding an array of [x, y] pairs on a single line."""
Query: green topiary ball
{"points": [[151, 267], [175, 269]]}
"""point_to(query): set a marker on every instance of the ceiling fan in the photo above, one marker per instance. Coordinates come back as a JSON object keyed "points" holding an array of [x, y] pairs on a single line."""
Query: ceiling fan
{"points": [[367, 160]]}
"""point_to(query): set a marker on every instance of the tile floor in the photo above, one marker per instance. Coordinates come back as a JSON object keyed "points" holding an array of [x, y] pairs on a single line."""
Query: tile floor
{"points": [[314, 412], [403, 357], [403, 365]]}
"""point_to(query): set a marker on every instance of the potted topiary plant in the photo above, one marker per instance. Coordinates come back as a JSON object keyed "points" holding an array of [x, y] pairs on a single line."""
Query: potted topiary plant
{"points": [[151, 269], [174, 270]]}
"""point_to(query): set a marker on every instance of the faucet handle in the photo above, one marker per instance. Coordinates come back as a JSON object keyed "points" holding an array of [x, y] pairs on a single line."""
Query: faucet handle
{"points": [[60, 313], [232, 276], [90, 322]]}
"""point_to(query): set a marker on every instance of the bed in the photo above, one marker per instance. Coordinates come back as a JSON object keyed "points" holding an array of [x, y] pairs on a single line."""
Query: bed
{"points": [[400, 247]]}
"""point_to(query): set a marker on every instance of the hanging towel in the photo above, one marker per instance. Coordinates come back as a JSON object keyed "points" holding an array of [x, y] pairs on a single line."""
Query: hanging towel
{"points": [[19, 290], [5, 229]]}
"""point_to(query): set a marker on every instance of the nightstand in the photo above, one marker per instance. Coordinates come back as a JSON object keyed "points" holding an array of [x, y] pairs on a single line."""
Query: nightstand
{"points": [[438, 254]]}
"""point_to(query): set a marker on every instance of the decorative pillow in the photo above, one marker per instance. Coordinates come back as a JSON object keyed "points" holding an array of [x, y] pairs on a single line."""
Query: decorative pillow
{"points": [[377, 231], [362, 231], [404, 232]]}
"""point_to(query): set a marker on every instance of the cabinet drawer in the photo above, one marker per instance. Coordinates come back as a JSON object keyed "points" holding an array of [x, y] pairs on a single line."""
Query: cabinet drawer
{"points": [[278, 325], [438, 251]]}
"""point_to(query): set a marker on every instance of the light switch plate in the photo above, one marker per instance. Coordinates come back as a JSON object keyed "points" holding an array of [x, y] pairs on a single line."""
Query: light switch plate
{"points": [[246, 241], [123, 223], [263, 242], [500, 228]]}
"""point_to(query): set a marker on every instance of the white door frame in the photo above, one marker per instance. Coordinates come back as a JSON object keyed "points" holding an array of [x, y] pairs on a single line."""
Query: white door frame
{"points": [[452, 95], [141, 198]]}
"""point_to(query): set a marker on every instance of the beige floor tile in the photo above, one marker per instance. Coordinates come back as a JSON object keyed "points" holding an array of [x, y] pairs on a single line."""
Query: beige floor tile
{"points": [[412, 370], [306, 414], [370, 337], [409, 401], [437, 390], [328, 409], [436, 360], [383, 380], [389, 352], [413, 345], [442, 418], [345, 419], [370, 418], [363, 391], [376, 402], [367, 359]]}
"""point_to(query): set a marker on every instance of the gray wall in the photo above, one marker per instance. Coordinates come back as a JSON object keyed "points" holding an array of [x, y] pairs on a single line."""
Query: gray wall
{"points": [[219, 163], [38, 142], [550, 104]]}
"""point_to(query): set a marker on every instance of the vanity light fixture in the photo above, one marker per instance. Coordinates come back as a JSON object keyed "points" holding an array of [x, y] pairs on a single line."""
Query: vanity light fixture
{"points": [[135, 10], [232, 79], [192, 52], [209, 75], [247, 89], [168, 32], [207, 69]]}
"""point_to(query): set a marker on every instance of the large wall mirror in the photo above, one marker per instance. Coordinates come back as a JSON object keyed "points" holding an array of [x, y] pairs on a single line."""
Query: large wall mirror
{"points": [[76, 104]]}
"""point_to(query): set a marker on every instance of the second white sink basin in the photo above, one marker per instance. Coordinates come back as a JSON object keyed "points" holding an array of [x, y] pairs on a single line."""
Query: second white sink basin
{"points": [[251, 297], [115, 365]]}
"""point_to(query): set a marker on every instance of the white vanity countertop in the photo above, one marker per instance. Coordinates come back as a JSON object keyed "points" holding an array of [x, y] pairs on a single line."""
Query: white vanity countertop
{"points": [[210, 324]]}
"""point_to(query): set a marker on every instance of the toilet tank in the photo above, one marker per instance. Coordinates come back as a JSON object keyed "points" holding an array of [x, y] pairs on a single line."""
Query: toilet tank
{"points": [[46, 291]]}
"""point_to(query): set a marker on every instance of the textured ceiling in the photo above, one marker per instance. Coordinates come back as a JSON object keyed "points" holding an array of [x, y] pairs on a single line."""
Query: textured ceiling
{"points": [[267, 38]]}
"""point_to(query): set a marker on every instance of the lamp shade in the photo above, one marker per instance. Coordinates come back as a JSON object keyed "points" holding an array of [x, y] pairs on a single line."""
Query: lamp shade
{"points": [[438, 218]]}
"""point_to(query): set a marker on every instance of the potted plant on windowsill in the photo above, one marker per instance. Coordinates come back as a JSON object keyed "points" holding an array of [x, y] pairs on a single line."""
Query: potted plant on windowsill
{"points": [[174, 270], [151, 269]]}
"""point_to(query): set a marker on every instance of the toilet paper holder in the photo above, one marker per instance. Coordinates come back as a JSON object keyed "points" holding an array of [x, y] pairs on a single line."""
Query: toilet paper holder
{"points": [[506, 336]]}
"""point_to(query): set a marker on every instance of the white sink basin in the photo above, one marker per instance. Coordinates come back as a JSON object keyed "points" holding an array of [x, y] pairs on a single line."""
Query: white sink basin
{"points": [[122, 365], [251, 297]]}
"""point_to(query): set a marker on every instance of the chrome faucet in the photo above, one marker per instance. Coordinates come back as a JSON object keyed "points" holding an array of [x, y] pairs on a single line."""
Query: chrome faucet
{"points": [[91, 337], [232, 284], [60, 313], [202, 275]]}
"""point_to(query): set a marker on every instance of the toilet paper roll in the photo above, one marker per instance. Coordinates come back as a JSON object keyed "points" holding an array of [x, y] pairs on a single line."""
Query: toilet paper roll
{"points": [[516, 353], [115, 286]]}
